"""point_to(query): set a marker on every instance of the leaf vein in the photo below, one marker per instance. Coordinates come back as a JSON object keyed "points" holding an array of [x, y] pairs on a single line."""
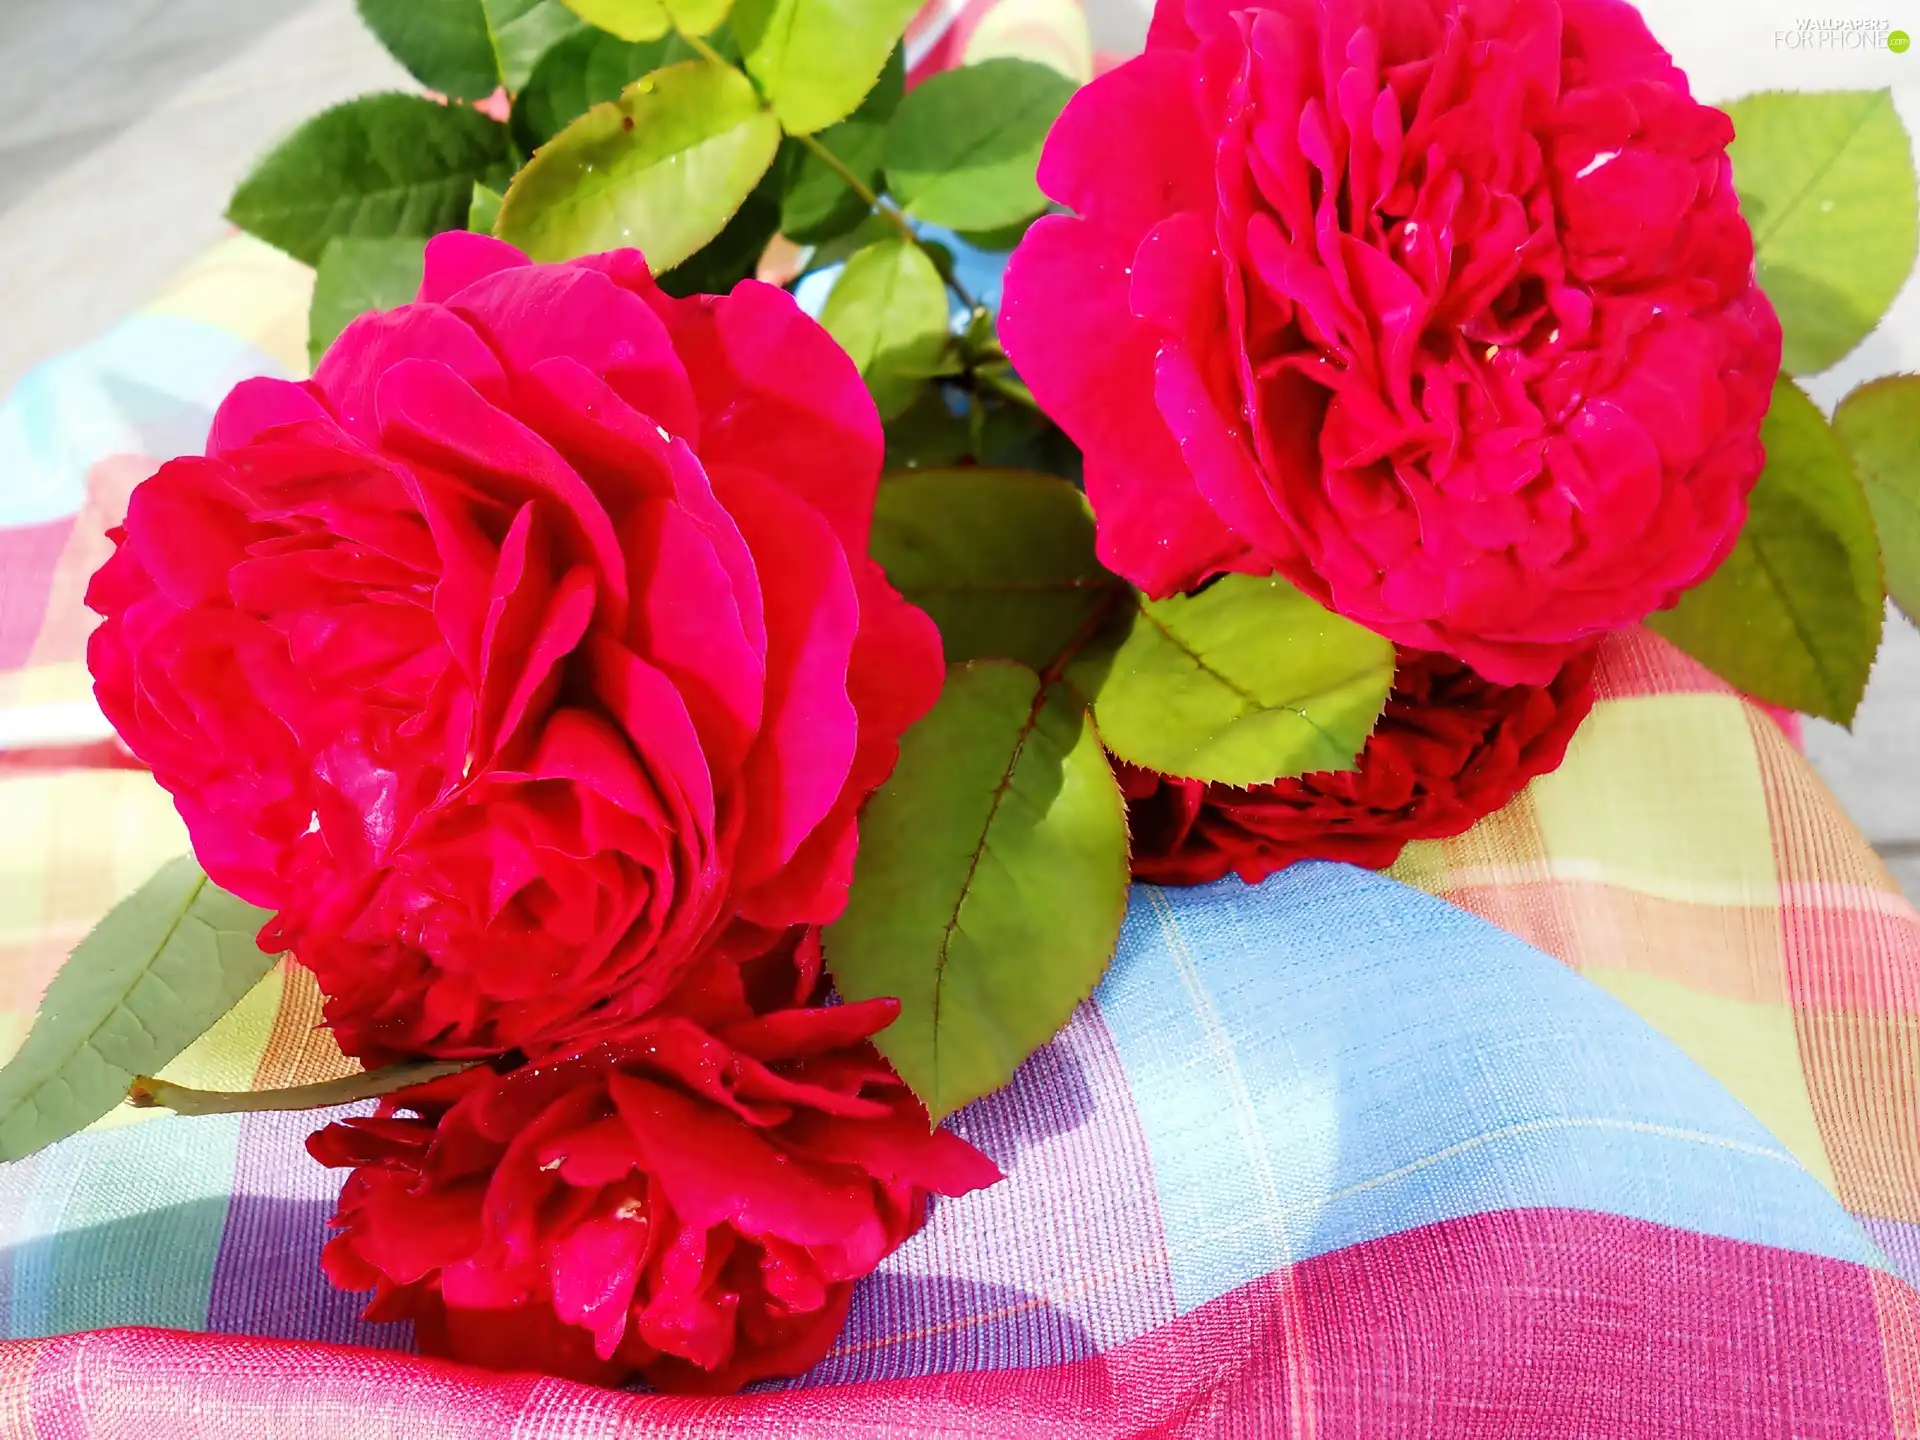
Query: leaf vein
{"points": [[90, 1039], [1000, 790], [1807, 644], [1013, 121], [1788, 210], [1251, 700]]}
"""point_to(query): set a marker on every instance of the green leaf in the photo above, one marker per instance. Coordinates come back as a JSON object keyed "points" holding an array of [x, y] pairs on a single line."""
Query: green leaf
{"points": [[628, 19], [381, 165], [963, 146], [698, 17], [817, 59], [816, 203], [153, 976], [664, 167], [1244, 683], [1008, 433], [481, 212], [1001, 559], [841, 248], [651, 19], [1793, 616], [991, 882], [358, 275], [1880, 424], [445, 44], [469, 48], [522, 31], [1003, 239], [927, 435], [586, 69], [148, 1093], [1826, 180], [734, 254], [888, 310]]}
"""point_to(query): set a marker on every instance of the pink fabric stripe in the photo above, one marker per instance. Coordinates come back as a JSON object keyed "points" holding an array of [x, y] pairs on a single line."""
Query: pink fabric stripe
{"points": [[1523, 1323], [1850, 948], [95, 755], [28, 554], [1574, 1323], [938, 36]]}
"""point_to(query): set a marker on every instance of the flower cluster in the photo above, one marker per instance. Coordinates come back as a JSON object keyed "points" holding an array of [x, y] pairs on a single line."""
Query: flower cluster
{"points": [[1442, 309], [529, 663], [689, 1199]]}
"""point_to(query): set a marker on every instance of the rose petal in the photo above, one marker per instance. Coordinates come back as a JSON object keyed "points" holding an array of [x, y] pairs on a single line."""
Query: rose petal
{"points": [[429, 412], [717, 1171], [893, 679], [1067, 327], [594, 1270], [350, 372], [779, 397], [540, 312], [1129, 150], [258, 405], [456, 259], [805, 749]]}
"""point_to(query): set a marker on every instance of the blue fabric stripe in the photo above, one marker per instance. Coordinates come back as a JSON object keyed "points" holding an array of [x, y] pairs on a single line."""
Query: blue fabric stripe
{"points": [[146, 387], [1331, 1057], [122, 1227]]}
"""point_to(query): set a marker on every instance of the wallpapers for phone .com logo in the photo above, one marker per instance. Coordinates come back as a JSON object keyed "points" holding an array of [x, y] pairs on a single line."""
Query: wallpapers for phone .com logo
{"points": [[1816, 34]]}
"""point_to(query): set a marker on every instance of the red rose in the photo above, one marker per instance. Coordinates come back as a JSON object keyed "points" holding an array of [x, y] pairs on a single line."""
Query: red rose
{"points": [[691, 1199], [522, 648], [1443, 309], [1449, 749]]}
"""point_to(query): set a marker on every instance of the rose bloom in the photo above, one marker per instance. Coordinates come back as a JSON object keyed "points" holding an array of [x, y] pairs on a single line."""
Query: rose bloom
{"points": [[1443, 309], [690, 1199], [523, 647], [1450, 748]]}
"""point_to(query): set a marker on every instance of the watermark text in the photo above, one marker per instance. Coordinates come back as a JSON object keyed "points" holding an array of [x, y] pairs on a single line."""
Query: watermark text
{"points": [[1816, 34]]}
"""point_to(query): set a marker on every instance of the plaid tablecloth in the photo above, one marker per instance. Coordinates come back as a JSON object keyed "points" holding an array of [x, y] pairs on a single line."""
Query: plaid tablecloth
{"points": [[1602, 1120]]}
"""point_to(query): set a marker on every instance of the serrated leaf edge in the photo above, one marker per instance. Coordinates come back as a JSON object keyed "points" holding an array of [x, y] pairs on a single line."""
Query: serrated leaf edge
{"points": [[89, 1040], [618, 104], [1256, 706]]}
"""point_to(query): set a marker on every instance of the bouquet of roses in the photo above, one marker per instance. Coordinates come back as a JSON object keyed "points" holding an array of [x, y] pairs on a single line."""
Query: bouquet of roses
{"points": [[697, 747]]}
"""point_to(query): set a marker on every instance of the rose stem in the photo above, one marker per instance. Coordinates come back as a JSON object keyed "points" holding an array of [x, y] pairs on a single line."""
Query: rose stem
{"points": [[148, 1093]]}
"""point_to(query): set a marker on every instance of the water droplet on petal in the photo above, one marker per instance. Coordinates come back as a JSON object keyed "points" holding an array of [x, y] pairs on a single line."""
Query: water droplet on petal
{"points": [[1600, 161]]}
